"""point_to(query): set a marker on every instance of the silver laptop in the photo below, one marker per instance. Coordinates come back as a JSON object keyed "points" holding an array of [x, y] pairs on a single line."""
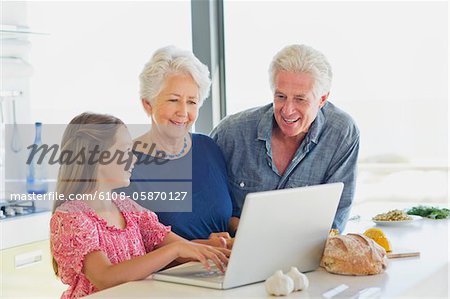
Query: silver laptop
{"points": [[278, 229]]}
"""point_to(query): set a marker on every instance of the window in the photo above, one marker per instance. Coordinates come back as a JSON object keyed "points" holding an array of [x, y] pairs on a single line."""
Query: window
{"points": [[92, 57], [390, 64]]}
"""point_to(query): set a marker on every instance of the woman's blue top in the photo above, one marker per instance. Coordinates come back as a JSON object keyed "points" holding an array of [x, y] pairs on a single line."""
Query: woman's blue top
{"points": [[204, 169]]}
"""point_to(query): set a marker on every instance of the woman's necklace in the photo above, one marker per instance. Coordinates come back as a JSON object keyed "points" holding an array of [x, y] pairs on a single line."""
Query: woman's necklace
{"points": [[174, 156]]}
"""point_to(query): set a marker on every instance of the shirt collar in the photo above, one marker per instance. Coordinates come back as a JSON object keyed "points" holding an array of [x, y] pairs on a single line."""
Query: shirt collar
{"points": [[316, 126], [265, 125], [267, 119]]}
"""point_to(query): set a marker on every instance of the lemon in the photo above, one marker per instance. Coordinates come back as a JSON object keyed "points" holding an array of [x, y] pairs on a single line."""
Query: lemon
{"points": [[378, 236], [334, 232]]}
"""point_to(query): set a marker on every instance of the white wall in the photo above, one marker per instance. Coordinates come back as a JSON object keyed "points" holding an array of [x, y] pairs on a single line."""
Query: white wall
{"points": [[390, 63], [91, 59], [16, 70]]}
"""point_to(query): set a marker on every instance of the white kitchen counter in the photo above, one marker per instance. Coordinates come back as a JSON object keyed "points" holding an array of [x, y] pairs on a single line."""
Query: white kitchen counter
{"points": [[424, 276], [27, 273], [20, 230]]}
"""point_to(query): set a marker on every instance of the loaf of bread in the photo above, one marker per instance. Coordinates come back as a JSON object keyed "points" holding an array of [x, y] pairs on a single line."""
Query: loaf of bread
{"points": [[353, 254]]}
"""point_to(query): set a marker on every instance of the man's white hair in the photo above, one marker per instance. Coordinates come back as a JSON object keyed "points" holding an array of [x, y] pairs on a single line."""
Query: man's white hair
{"points": [[303, 59]]}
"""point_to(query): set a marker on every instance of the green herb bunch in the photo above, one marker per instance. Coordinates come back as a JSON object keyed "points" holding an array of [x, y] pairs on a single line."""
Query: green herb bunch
{"points": [[429, 212]]}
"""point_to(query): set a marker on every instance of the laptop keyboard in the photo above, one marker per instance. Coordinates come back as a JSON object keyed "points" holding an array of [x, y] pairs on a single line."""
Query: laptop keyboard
{"points": [[209, 274], [215, 272]]}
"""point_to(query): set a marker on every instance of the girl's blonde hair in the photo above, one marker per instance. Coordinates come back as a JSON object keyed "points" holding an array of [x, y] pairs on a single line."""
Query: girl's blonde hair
{"points": [[86, 133]]}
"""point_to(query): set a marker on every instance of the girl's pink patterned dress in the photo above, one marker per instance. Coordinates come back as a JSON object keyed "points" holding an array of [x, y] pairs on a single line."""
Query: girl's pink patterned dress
{"points": [[77, 230]]}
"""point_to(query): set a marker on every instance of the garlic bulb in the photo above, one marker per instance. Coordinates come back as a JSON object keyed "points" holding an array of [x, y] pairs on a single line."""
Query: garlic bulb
{"points": [[300, 280], [279, 284]]}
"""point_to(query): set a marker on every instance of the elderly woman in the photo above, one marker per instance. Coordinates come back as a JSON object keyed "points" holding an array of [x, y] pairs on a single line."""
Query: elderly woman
{"points": [[173, 86]]}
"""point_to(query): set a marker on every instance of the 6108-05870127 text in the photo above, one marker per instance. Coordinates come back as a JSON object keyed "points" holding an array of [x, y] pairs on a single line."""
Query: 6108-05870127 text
{"points": [[142, 196]]}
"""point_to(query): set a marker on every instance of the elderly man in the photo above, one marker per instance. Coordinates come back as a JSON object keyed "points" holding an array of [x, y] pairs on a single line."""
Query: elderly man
{"points": [[298, 140]]}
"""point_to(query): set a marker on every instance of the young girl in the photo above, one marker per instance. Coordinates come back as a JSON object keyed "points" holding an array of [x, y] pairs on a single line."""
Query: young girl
{"points": [[100, 239]]}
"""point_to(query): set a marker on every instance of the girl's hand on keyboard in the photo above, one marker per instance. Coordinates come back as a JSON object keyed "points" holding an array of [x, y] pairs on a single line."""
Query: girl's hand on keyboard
{"points": [[203, 253]]}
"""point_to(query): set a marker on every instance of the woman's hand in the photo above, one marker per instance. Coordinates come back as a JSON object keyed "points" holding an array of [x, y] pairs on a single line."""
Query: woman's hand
{"points": [[202, 253], [222, 239]]}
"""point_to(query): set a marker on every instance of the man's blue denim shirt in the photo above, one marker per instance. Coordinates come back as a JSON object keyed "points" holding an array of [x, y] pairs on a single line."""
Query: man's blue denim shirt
{"points": [[327, 154]]}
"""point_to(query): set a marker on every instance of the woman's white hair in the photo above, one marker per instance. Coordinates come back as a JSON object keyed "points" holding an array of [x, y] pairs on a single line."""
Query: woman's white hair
{"points": [[303, 59], [168, 61]]}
